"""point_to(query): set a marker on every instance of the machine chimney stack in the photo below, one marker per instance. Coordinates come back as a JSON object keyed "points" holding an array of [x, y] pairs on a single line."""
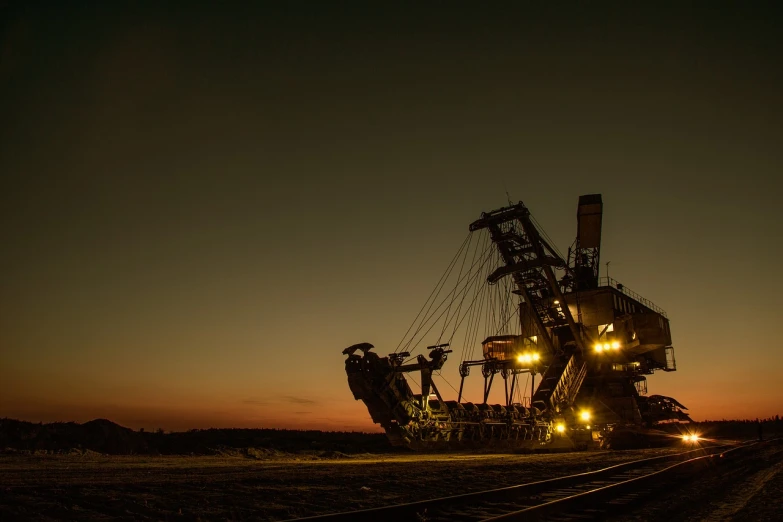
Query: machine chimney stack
{"points": [[585, 255]]}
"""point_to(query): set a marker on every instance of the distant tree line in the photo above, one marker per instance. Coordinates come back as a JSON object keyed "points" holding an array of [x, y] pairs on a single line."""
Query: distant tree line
{"points": [[740, 428], [105, 436]]}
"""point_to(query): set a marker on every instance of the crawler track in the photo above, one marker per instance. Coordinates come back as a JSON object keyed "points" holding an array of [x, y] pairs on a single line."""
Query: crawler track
{"points": [[590, 495]]}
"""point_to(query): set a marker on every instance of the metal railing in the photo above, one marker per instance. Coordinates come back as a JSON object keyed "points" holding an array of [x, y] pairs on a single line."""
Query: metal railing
{"points": [[608, 281]]}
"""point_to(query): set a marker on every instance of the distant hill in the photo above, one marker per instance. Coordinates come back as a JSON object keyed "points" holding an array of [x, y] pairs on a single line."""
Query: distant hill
{"points": [[104, 436]]}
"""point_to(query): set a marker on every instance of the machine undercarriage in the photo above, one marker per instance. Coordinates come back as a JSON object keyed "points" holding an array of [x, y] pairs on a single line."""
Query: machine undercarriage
{"points": [[591, 340]]}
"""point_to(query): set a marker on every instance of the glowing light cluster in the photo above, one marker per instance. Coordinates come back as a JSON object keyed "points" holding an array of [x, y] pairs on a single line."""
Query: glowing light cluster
{"points": [[605, 347], [690, 437], [528, 357]]}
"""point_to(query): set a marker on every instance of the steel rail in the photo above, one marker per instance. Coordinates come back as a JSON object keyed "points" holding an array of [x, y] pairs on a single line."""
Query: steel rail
{"points": [[414, 510], [595, 496]]}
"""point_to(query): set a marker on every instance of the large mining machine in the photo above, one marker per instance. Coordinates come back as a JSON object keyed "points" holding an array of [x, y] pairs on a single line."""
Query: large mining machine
{"points": [[590, 340]]}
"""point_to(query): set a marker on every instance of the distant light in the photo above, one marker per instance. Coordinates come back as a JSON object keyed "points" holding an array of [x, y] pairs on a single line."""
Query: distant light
{"points": [[587, 427], [598, 347], [560, 428], [584, 415], [525, 358], [616, 345], [556, 302], [536, 357], [607, 346]]}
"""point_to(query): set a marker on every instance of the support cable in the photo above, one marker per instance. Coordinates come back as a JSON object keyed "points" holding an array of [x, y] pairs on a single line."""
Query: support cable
{"points": [[425, 320], [435, 321], [459, 276], [433, 292], [473, 313]]}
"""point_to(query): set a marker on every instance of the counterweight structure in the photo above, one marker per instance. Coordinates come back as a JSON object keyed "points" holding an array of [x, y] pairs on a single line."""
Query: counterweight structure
{"points": [[591, 340]]}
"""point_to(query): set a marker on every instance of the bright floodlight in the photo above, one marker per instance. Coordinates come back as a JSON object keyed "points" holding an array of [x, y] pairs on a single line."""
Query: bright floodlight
{"points": [[584, 415], [560, 428], [536, 356], [598, 347], [607, 346], [616, 345]]}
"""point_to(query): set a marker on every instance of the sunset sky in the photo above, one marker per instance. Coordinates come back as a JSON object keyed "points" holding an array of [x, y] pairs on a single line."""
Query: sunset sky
{"points": [[201, 207]]}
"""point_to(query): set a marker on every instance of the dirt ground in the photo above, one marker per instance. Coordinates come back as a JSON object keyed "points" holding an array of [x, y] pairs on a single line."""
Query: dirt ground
{"points": [[94, 487]]}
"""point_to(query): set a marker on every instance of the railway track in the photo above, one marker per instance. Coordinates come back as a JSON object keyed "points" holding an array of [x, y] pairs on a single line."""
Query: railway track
{"points": [[582, 496]]}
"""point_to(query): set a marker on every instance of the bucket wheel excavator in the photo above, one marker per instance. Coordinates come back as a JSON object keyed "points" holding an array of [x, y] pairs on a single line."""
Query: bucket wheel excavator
{"points": [[585, 345]]}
